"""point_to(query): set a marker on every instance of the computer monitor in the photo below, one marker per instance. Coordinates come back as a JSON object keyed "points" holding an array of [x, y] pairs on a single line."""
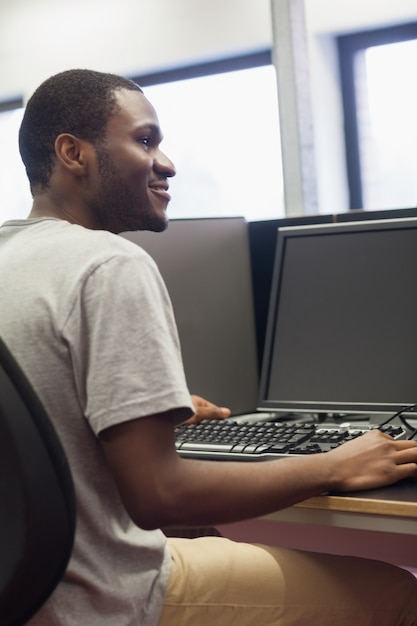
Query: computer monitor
{"points": [[262, 243], [205, 264], [342, 325]]}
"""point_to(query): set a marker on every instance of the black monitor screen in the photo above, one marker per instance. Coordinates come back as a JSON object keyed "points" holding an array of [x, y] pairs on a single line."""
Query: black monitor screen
{"points": [[342, 324]]}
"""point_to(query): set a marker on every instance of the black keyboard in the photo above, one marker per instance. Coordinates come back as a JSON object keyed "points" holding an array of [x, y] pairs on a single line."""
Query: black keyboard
{"points": [[229, 440]]}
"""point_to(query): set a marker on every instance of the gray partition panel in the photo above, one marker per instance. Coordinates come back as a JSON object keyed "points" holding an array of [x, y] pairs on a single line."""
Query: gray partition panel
{"points": [[206, 266]]}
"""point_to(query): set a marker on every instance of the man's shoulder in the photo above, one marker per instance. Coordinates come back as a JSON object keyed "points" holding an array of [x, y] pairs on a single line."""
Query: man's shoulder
{"points": [[80, 241], [72, 248], [102, 239]]}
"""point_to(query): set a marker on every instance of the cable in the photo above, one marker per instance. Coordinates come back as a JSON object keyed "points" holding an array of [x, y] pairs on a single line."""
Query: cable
{"points": [[411, 408]]}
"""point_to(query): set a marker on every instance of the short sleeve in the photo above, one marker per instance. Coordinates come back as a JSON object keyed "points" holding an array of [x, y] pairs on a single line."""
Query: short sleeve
{"points": [[124, 344]]}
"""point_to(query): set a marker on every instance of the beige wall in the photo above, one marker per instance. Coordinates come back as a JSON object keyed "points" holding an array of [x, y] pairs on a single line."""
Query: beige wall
{"points": [[41, 37]]}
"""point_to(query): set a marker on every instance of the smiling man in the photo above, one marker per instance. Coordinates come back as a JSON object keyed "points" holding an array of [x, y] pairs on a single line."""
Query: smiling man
{"points": [[121, 176], [87, 316]]}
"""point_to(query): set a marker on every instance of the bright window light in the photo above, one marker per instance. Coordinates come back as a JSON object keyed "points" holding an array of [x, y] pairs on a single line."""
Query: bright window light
{"points": [[387, 125], [222, 133], [15, 197]]}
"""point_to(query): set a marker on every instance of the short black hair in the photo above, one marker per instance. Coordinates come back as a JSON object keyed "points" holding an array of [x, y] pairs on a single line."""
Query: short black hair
{"points": [[79, 102]]}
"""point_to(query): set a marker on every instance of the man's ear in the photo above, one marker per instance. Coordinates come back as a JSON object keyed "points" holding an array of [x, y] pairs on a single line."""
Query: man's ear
{"points": [[72, 153]]}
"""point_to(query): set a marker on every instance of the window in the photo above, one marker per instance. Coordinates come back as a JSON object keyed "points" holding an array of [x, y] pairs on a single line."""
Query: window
{"points": [[221, 127], [15, 197], [380, 103], [221, 130]]}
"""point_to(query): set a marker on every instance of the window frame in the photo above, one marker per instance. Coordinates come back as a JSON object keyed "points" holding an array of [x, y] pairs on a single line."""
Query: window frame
{"points": [[11, 104], [198, 70], [348, 46]]}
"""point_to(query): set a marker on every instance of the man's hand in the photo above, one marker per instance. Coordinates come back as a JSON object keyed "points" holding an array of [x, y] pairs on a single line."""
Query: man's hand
{"points": [[373, 460], [205, 410]]}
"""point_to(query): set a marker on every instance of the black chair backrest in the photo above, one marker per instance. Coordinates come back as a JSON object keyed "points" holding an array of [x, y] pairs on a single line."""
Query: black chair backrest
{"points": [[37, 506]]}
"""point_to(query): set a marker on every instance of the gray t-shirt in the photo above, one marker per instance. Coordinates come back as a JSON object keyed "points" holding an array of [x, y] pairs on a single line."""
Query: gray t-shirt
{"points": [[87, 316]]}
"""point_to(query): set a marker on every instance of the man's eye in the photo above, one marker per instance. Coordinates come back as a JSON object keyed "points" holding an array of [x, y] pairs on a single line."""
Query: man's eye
{"points": [[144, 140]]}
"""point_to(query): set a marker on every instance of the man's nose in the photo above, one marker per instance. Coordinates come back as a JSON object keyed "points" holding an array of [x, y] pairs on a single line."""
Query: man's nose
{"points": [[164, 165]]}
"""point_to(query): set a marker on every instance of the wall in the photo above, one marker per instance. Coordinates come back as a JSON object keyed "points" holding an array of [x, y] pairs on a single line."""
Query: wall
{"points": [[125, 36], [39, 38]]}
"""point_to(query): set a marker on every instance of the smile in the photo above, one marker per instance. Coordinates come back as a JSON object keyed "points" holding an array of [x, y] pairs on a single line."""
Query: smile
{"points": [[161, 193]]}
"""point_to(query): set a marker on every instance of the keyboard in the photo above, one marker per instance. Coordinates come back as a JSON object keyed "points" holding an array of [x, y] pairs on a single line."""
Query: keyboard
{"points": [[228, 440]]}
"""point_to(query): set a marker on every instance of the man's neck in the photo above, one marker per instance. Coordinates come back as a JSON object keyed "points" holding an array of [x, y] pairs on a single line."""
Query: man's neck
{"points": [[44, 205]]}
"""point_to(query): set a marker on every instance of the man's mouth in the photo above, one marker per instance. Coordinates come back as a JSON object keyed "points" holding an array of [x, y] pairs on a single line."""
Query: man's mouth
{"points": [[161, 191]]}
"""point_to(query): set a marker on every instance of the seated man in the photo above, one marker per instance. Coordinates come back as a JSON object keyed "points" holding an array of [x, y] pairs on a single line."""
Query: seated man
{"points": [[87, 316]]}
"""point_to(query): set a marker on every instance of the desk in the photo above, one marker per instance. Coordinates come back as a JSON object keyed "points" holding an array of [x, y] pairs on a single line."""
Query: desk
{"points": [[390, 509], [380, 523]]}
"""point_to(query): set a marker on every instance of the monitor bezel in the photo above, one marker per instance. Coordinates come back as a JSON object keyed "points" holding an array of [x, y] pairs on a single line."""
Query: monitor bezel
{"points": [[331, 408]]}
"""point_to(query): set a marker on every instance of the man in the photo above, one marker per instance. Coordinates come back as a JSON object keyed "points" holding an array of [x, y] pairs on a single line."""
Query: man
{"points": [[87, 316]]}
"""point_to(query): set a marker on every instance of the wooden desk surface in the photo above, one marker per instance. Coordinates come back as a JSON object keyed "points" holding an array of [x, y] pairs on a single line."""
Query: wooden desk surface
{"points": [[396, 500], [392, 509]]}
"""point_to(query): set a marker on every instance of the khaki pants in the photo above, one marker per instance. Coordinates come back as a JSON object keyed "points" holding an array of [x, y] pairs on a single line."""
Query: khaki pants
{"points": [[218, 582]]}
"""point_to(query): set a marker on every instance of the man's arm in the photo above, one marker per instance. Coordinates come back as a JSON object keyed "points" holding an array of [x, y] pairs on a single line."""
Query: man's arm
{"points": [[159, 488]]}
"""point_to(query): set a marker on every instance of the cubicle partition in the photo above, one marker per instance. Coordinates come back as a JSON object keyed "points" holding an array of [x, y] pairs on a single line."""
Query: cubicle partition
{"points": [[206, 266]]}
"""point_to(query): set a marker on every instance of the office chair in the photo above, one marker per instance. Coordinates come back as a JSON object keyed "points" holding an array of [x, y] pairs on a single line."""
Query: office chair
{"points": [[37, 508]]}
